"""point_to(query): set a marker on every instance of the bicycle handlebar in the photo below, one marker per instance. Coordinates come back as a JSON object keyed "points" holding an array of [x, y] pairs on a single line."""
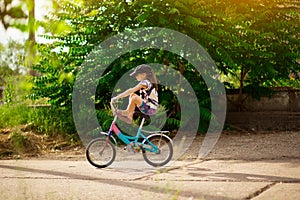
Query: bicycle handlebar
{"points": [[113, 108]]}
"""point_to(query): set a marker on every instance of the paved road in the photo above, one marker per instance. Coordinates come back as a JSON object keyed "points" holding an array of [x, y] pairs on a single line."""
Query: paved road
{"points": [[135, 180]]}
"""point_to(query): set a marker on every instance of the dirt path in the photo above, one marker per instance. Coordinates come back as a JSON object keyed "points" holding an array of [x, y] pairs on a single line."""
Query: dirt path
{"points": [[231, 145], [251, 146]]}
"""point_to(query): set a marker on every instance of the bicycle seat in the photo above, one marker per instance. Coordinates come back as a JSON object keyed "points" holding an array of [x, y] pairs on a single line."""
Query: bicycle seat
{"points": [[140, 114]]}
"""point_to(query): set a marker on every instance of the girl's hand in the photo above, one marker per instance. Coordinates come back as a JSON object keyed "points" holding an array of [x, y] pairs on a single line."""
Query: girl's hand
{"points": [[113, 100]]}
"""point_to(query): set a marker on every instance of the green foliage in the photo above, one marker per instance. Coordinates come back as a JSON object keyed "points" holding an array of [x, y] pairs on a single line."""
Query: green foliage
{"points": [[256, 91], [16, 88], [11, 60], [11, 13], [105, 117], [19, 141], [262, 42], [12, 115], [257, 44], [12, 72], [293, 80], [44, 120], [9, 93], [88, 27], [52, 120], [253, 42]]}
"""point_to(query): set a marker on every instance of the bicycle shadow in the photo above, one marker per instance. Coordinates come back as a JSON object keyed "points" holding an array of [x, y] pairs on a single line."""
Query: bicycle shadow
{"points": [[138, 183]]}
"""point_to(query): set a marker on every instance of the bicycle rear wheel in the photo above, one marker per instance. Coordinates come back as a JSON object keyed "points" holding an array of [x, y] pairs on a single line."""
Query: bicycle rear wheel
{"points": [[100, 153], [163, 155]]}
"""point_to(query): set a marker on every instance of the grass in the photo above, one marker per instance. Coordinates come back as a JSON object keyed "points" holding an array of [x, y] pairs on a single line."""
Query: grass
{"points": [[25, 123], [52, 120], [13, 115], [45, 120], [19, 141]]}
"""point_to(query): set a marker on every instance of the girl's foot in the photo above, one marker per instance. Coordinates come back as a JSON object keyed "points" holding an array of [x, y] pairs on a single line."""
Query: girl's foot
{"points": [[123, 117]]}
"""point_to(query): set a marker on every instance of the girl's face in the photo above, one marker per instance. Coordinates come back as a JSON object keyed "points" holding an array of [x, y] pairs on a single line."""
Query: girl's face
{"points": [[140, 77]]}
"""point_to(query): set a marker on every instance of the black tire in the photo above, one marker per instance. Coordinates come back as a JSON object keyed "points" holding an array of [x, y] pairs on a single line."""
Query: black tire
{"points": [[103, 159], [166, 151]]}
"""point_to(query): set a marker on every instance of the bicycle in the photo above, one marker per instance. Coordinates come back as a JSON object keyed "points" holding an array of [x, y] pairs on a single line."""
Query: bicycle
{"points": [[157, 148]]}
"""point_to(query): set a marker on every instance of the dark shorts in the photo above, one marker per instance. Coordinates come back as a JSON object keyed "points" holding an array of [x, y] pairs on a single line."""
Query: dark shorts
{"points": [[144, 108]]}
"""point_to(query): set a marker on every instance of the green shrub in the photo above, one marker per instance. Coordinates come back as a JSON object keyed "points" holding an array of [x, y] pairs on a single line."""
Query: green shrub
{"points": [[52, 120], [19, 141], [45, 120], [13, 115]]}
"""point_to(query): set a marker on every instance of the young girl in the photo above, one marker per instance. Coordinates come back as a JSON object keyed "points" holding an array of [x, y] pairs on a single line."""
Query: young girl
{"points": [[146, 101]]}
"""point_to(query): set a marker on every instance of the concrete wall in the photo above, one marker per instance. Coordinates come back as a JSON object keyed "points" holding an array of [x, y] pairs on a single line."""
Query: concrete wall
{"points": [[265, 121], [279, 112], [285, 99]]}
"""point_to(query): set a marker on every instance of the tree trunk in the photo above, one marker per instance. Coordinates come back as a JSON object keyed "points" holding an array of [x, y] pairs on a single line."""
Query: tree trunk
{"points": [[31, 51], [240, 105]]}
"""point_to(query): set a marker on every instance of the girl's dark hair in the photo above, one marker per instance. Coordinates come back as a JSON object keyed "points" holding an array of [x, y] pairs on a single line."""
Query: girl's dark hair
{"points": [[149, 72], [152, 78]]}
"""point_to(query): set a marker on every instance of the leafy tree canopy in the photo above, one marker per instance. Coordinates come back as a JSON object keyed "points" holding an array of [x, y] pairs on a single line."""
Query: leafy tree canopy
{"points": [[255, 41], [12, 13]]}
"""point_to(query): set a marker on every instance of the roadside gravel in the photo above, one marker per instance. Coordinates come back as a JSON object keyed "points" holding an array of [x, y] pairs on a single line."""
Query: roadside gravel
{"points": [[232, 145], [251, 146]]}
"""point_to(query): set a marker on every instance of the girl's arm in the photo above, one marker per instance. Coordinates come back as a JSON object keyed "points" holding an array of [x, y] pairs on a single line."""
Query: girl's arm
{"points": [[129, 91]]}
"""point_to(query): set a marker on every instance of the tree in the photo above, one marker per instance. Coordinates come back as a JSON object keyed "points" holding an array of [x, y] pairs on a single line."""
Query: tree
{"points": [[255, 41], [13, 73], [11, 60], [92, 25], [235, 34], [11, 14], [261, 45], [31, 51]]}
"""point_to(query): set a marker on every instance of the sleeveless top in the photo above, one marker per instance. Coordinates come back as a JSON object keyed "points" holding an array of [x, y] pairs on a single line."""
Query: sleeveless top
{"points": [[149, 94]]}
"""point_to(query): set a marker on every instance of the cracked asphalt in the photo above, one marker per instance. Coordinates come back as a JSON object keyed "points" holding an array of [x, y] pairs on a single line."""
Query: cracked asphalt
{"points": [[250, 165], [134, 179]]}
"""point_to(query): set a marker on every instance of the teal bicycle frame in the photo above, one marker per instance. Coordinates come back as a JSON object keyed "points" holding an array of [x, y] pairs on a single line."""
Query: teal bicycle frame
{"points": [[129, 139], [156, 148]]}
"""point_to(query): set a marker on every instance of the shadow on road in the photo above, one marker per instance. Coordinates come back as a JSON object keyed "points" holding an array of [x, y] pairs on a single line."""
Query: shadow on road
{"points": [[127, 184]]}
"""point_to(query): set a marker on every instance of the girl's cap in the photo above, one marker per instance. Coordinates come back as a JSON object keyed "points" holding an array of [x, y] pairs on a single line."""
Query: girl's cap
{"points": [[141, 69]]}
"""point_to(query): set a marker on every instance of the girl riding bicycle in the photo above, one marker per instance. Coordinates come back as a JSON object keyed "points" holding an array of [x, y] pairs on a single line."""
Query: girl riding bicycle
{"points": [[147, 98]]}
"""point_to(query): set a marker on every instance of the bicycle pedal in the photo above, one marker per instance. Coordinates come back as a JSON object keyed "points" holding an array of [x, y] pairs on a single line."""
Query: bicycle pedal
{"points": [[136, 149], [129, 149], [132, 151]]}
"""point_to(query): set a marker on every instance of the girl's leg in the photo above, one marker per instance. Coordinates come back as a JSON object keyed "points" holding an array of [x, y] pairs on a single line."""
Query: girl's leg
{"points": [[134, 101]]}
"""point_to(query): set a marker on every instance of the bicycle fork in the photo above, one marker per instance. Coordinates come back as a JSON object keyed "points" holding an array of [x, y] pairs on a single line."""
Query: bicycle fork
{"points": [[107, 138]]}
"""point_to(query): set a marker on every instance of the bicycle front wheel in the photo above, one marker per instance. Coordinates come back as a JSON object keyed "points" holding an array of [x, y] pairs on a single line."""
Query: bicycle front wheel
{"points": [[164, 153], [100, 152]]}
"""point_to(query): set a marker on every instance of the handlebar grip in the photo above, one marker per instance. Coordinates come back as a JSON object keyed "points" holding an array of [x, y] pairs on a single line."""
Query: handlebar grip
{"points": [[113, 99]]}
